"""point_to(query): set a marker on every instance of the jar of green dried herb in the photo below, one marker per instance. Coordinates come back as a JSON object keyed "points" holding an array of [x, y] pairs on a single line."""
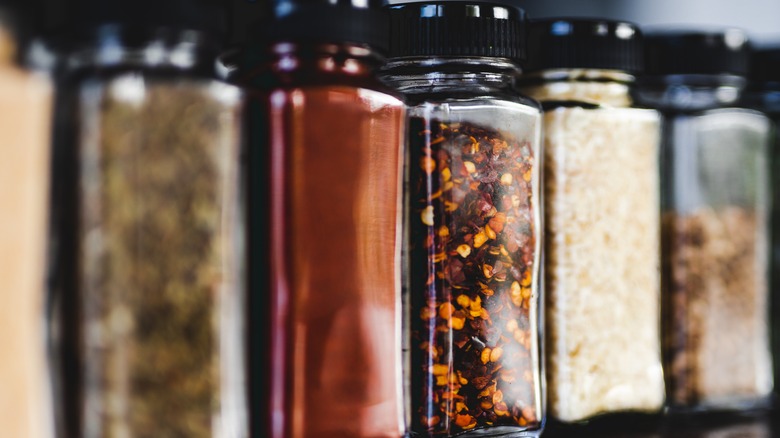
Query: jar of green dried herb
{"points": [[148, 285], [715, 220], [472, 295]]}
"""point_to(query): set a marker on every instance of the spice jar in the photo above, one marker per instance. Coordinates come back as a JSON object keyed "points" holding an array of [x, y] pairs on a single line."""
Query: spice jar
{"points": [[150, 237], [473, 202], [603, 303], [25, 112], [325, 139], [714, 223]]}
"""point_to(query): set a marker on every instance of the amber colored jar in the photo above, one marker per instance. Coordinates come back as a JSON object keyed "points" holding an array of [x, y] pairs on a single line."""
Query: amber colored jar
{"points": [[325, 206]]}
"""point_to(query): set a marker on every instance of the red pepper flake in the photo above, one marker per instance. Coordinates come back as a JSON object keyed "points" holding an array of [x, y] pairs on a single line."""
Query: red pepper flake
{"points": [[472, 282]]}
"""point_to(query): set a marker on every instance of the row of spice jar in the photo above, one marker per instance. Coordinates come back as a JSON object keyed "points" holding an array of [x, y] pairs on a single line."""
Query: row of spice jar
{"points": [[340, 245]]}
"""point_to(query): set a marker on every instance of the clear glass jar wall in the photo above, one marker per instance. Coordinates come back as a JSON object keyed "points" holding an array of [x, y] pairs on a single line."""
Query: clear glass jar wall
{"points": [[151, 249], [473, 259], [603, 300], [715, 243]]}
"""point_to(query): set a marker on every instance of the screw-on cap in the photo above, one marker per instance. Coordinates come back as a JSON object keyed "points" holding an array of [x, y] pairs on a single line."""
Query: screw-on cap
{"points": [[327, 21], [449, 28], [566, 43], [207, 16], [675, 52]]}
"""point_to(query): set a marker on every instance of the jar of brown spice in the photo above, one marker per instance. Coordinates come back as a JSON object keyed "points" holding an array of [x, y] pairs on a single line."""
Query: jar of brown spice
{"points": [[473, 247], [715, 203]]}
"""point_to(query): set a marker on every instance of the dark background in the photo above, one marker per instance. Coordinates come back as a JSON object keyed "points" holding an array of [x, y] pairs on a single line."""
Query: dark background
{"points": [[760, 17]]}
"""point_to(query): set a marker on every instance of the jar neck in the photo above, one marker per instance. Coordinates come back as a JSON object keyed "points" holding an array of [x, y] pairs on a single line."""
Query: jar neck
{"points": [[473, 75], [591, 86], [691, 92], [114, 47], [297, 63]]}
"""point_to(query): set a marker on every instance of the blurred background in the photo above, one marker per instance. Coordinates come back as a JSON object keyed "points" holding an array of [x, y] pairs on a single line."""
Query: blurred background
{"points": [[760, 17]]}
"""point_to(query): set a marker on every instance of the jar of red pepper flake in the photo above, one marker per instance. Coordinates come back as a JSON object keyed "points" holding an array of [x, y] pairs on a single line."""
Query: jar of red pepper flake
{"points": [[473, 238]]}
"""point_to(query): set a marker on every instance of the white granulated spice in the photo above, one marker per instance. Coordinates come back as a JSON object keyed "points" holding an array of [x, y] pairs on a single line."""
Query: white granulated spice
{"points": [[602, 241], [579, 89]]}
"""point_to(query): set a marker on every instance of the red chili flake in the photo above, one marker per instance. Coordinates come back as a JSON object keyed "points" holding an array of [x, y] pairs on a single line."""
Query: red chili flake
{"points": [[482, 279]]}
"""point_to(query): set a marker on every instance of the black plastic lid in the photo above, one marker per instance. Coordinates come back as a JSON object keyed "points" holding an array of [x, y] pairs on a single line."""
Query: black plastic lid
{"points": [[450, 28], [564, 43], [208, 16], [765, 66], [725, 51], [326, 21]]}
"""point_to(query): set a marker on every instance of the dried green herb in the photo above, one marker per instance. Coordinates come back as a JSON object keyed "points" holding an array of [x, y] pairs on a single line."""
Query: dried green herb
{"points": [[158, 254], [472, 290]]}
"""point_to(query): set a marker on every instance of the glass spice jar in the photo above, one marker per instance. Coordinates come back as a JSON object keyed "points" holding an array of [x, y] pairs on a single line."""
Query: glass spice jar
{"points": [[25, 128], [714, 225], [603, 303], [325, 142], [149, 264], [473, 214]]}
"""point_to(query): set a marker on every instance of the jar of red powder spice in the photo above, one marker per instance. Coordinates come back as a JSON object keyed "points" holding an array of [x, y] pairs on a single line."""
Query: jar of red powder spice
{"points": [[325, 165]]}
